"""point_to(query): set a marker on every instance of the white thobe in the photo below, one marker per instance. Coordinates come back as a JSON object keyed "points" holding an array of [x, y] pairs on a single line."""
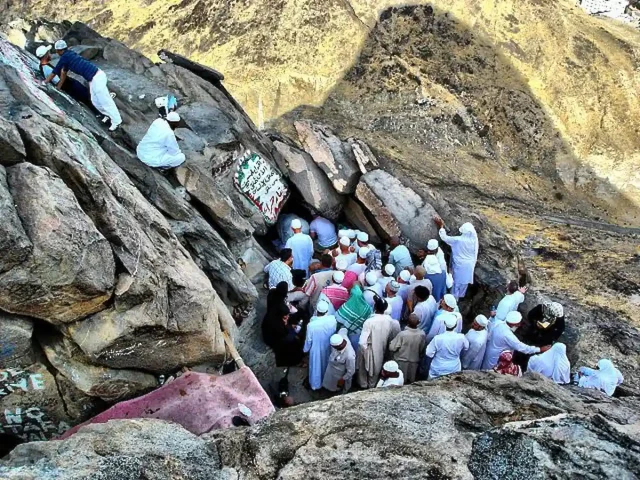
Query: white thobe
{"points": [[317, 344], [606, 378], [438, 326], [391, 382], [464, 255], [377, 333], [302, 247], [509, 303], [159, 147], [349, 258], [441, 260], [425, 312], [397, 305], [404, 291], [501, 338], [342, 365], [400, 257], [553, 364], [445, 350], [472, 358]]}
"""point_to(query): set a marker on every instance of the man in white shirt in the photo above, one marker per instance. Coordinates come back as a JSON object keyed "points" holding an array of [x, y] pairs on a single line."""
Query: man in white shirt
{"points": [[360, 265], [425, 307], [388, 274], [323, 232], [403, 279], [391, 375], [371, 289], [344, 252], [502, 337], [511, 301], [159, 147], [445, 349], [302, 247], [433, 248], [394, 300], [400, 257], [477, 337]]}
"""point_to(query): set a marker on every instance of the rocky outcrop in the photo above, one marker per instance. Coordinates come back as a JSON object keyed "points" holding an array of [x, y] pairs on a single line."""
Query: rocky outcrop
{"points": [[16, 347], [474, 426]]}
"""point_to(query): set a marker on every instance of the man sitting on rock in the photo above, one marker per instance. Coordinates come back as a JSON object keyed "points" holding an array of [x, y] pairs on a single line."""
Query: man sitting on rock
{"points": [[159, 147], [70, 61]]}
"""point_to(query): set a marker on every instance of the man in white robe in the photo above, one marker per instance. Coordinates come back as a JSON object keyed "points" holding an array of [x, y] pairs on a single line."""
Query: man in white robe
{"points": [[605, 378], [433, 248], [342, 364], [390, 376], [553, 364], [464, 255], [388, 274], [448, 304], [360, 265], [477, 337], [159, 147], [511, 301], [502, 337], [372, 288], [425, 308], [344, 253], [396, 304], [404, 280], [399, 257], [319, 332], [377, 333], [302, 247], [445, 349]]}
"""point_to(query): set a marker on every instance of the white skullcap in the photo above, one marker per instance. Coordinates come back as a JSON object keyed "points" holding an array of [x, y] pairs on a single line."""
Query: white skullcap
{"points": [[173, 117], [363, 237], [343, 233], [405, 276], [389, 269], [371, 278], [450, 301], [338, 277], [342, 264], [394, 286], [432, 265], [514, 318], [433, 244], [323, 307], [467, 228], [345, 242], [42, 51], [450, 320], [482, 320], [390, 366], [336, 340], [363, 252], [60, 45], [352, 234], [295, 224]]}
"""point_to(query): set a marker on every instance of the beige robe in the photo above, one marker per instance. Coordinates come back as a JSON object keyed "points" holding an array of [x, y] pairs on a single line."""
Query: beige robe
{"points": [[376, 334], [342, 364], [408, 348]]}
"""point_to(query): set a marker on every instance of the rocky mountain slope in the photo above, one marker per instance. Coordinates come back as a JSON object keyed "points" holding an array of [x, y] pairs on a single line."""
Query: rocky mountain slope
{"points": [[473, 426]]}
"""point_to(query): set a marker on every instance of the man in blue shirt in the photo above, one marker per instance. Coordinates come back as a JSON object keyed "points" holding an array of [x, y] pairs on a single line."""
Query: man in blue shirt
{"points": [[71, 86], [70, 61]]}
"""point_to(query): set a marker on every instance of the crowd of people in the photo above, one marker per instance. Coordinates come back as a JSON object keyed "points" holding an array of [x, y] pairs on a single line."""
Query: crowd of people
{"points": [[376, 317]]}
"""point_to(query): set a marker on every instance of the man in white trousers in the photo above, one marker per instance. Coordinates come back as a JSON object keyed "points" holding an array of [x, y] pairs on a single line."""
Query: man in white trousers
{"points": [[70, 61]]}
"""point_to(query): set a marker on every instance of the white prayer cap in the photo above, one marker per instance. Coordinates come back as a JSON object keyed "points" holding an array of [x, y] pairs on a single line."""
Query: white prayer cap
{"points": [[352, 234], [336, 340], [405, 276], [371, 278], [450, 320], [323, 307], [60, 45], [467, 228], [450, 301], [432, 265], [343, 233], [345, 242], [342, 264], [42, 51], [338, 277], [389, 269], [394, 286], [363, 252], [482, 320], [295, 224], [174, 117], [390, 366], [433, 244], [514, 318], [363, 237]]}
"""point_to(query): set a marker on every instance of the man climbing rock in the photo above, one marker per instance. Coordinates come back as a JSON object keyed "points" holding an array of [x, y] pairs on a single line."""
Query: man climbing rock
{"points": [[71, 86], [70, 61], [159, 147]]}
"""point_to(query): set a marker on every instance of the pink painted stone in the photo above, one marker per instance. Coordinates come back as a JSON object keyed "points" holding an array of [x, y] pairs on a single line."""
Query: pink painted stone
{"points": [[197, 401]]}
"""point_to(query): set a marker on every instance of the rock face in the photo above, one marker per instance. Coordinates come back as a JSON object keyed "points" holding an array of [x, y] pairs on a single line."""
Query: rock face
{"points": [[474, 426], [16, 348]]}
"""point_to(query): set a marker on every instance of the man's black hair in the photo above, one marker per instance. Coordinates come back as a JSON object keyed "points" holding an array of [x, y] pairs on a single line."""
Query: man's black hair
{"points": [[326, 260], [422, 292], [286, 254]]}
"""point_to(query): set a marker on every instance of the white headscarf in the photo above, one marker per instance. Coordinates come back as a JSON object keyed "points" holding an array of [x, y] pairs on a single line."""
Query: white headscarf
{"points": [[606, 378], [553, 364], [432, 265]]}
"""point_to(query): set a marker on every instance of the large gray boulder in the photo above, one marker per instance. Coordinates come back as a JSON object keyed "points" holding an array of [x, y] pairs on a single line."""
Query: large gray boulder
{"points": [[11, 146], [332, 155], [312, 183], [70, 271], [14, 243], [16, 342]]}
